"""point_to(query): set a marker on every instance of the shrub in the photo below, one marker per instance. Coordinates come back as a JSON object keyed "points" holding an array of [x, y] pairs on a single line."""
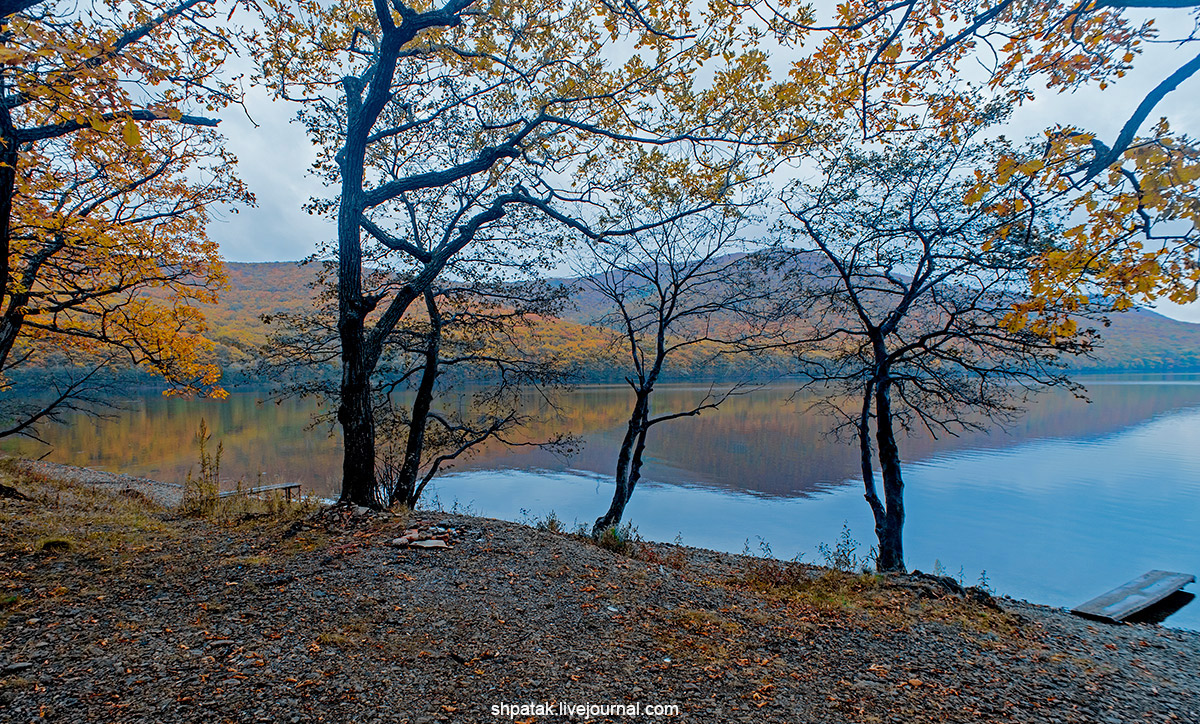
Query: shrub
{"points": [[200, 492]]}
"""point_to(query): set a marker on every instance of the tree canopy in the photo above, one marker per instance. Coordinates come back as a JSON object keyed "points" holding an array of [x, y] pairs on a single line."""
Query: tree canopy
{"points": [[934, 64], [107, 180]]}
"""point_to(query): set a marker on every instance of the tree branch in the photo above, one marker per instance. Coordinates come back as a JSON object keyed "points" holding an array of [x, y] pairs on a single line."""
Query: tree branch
{"points": [[1106, 157], [394, 243], [41, 133]]}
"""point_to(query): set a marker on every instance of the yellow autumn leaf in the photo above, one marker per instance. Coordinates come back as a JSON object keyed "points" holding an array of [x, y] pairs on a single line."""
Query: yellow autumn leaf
{"points": [[131, 134], [1032, 166], [975, 195]]}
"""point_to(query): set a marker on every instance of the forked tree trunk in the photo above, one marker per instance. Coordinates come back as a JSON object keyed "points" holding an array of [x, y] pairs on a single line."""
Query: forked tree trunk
{"points": [[629, 464], [891, 546]]}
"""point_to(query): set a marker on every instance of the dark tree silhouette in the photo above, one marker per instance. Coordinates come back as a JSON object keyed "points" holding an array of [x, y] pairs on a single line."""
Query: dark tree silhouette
{"points": [[906, 295], [680, 289]]}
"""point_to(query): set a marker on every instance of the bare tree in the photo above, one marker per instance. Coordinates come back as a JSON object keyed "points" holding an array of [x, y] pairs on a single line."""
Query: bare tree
{"points": [[906, 295], [683, 289], [467, 371], [493, 109]]}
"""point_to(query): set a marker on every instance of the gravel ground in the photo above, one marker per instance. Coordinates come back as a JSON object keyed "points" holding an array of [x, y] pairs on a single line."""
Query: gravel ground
{"points": [[144, 616], [165, 494]]}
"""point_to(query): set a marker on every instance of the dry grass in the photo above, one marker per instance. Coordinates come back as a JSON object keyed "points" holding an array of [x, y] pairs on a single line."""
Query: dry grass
{"points": [[66, 518], [701, 636], [70, 538], [871, 598], [661, 554]]}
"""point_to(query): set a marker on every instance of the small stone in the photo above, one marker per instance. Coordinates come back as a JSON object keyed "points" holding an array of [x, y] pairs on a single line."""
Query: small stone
{"points": [[33, 622], [430, 544], [401, 541], [16, 667], [219, 642]]}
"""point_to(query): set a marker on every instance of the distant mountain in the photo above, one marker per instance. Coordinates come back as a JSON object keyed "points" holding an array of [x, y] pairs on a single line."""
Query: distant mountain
{"points": [[1140, 340]]}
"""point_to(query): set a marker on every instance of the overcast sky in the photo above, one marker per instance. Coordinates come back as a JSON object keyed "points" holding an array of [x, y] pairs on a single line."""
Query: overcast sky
{"points": [[275, 157]]}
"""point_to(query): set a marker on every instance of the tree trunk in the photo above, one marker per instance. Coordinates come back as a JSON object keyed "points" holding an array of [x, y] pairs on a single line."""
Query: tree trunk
{"points": [[891, 547], [635, 437], [868, 472], [635, 466], [358, 430], [355, 413], [10, 324], [406, 483]]}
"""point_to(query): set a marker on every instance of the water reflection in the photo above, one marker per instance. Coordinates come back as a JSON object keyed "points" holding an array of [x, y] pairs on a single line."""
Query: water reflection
{"points": [[766, 442], [1056, 521], [1071, 501]]}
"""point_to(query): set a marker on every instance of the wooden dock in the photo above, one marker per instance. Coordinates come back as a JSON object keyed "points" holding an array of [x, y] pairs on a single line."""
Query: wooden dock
{"points": [[287, 488], [1137, 595]]}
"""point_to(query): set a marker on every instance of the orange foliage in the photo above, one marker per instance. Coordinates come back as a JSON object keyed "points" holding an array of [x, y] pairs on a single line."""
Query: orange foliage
{"points": [[106, 183]]}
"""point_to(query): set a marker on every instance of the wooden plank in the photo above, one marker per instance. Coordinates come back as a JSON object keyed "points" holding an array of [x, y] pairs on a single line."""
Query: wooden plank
{"points": [[1142, 592], [289, 487]]}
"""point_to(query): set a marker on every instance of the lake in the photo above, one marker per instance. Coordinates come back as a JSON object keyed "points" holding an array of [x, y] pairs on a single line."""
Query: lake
{"points": [[1069, 502]]}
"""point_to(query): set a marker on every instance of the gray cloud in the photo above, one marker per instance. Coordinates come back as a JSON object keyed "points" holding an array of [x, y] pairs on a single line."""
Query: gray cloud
{"points": [[274, 158]]}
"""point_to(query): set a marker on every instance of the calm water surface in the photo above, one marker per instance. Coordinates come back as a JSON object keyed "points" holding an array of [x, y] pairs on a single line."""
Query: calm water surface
{"points": [[1074, 499]]}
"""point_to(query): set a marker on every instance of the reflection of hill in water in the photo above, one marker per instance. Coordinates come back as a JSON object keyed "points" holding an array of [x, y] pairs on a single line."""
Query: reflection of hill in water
{"points": [[156, 437], [765, 444], [760, 443]]}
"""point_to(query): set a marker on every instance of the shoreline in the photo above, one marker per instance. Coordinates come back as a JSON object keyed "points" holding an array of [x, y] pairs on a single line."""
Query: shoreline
{"points": [[170, 495], [115, 609]]}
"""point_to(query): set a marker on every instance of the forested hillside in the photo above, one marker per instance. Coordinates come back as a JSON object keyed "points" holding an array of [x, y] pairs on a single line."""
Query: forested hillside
{"points": [[1144, 340], [255, 290], [1139, 340], [271, 288]]}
